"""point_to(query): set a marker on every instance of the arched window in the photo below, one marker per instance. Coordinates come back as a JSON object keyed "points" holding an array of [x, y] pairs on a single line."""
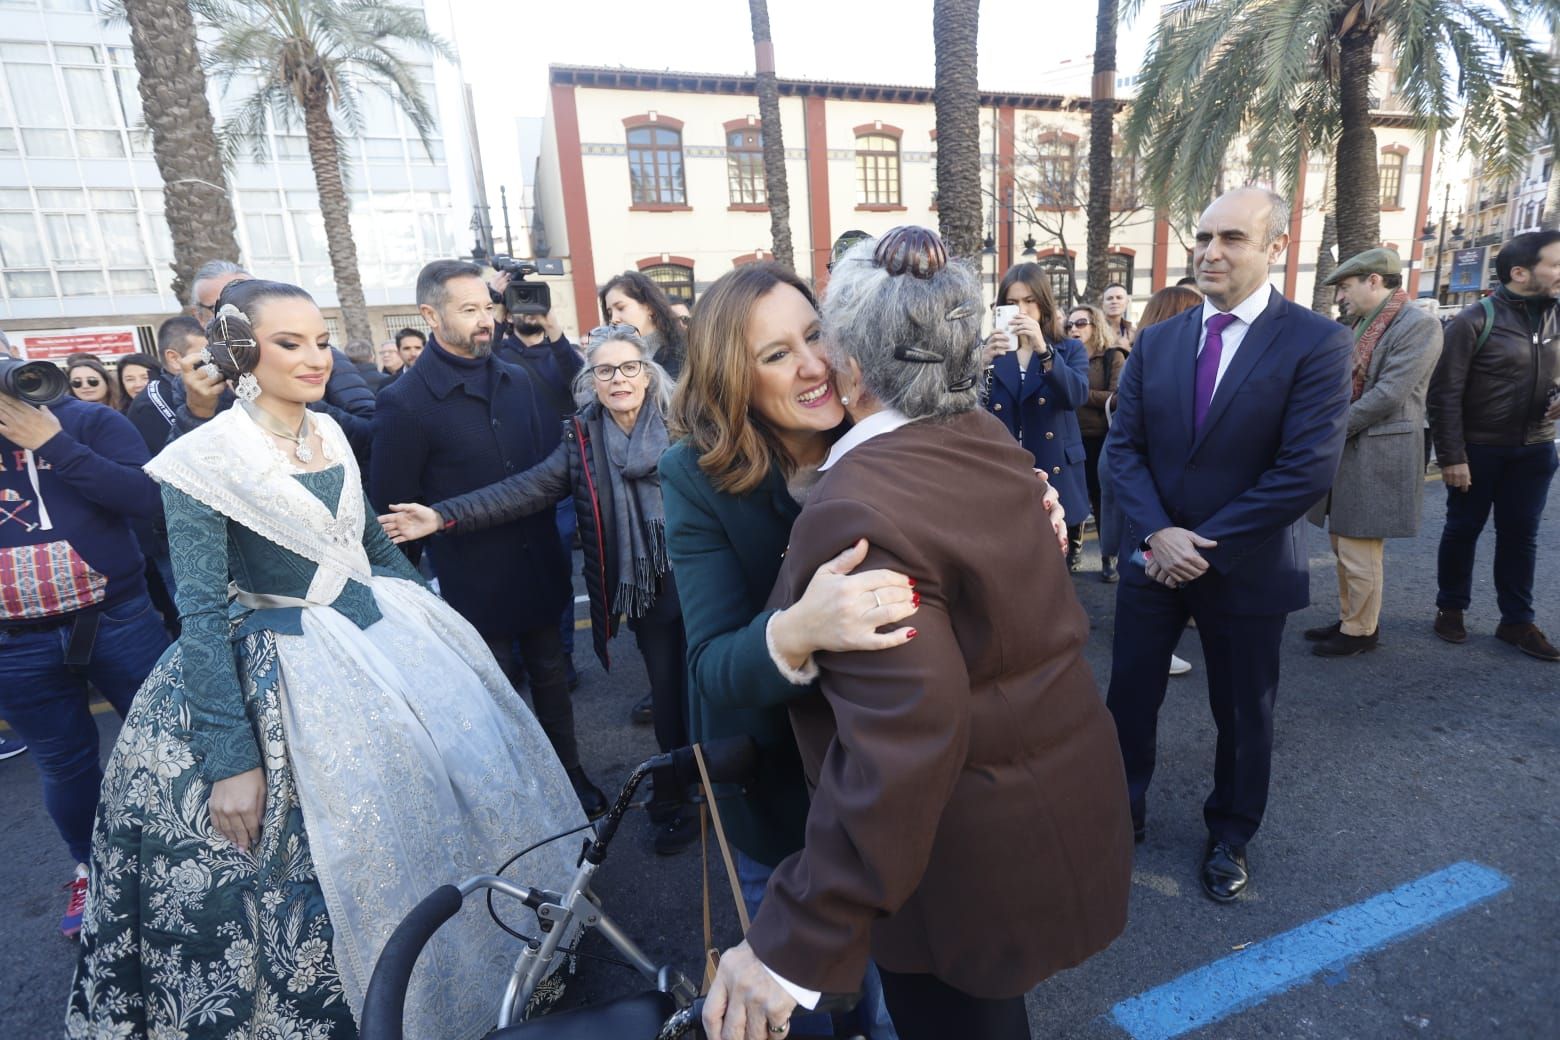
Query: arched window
{"points": [[745, 166], [1059, 272], [675, 280], [1389, 171], [655, 166], [877, 170]]}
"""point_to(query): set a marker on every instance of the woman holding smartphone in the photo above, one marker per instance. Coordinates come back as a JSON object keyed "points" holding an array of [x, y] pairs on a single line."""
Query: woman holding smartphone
{"points": [[1037, 382]]}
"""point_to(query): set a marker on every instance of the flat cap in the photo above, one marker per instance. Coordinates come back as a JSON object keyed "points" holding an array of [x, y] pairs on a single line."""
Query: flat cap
{"points": [[1380, 261]]}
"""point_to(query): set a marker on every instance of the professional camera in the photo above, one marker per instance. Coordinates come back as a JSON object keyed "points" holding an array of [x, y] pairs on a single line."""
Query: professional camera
{"points": [[36, 382], [521, 296]]}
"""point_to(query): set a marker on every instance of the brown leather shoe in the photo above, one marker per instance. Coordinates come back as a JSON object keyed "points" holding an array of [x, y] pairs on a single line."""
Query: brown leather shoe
{"points": [[1529, 639], [1449, 626]]}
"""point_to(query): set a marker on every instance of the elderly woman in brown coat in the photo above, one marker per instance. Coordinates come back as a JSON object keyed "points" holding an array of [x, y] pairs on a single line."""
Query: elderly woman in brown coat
{"points": [[968, 829]]}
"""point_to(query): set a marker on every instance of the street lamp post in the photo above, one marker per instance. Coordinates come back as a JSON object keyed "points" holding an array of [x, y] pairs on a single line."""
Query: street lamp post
{"points": [[1440, 250]]}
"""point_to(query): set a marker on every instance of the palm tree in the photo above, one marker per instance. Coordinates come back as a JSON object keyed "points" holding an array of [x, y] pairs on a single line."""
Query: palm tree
{"points": [[172, 84], [1102, 132], [312, 58], [1293, 76], [956, 98], [776, 191]]}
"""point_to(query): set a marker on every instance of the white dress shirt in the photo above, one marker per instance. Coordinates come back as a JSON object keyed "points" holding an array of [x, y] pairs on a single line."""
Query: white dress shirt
{"points": [[1245, 312], [874, 425]]}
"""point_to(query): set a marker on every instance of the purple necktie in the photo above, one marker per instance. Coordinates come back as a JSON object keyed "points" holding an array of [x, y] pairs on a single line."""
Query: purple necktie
{"points": [[1208, 367]]}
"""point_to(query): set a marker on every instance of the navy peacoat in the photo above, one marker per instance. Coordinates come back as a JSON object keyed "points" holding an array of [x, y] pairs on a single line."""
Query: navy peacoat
{"points": [[449, 426], [1041, 411]]}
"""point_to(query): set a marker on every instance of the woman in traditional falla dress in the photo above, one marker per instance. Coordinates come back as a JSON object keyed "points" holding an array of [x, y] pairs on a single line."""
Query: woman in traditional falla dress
{"points": [[326, 742]]}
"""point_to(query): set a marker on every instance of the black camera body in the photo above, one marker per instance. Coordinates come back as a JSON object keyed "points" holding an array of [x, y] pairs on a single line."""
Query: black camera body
{"points": [[36, 382], [521, 296]]}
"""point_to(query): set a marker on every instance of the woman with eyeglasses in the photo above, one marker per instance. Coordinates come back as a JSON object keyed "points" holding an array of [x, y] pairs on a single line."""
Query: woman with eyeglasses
{"points": [[633, 299], [1036, 382], [1107, 357], [90, 382], [608, 462]]}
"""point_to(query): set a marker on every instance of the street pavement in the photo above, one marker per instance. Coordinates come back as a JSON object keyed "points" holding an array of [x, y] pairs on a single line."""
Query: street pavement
{"points": [[1388, 768]]}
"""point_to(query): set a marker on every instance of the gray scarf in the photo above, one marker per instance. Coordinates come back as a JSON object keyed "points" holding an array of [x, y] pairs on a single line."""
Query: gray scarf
{"points": [[636, 506]]}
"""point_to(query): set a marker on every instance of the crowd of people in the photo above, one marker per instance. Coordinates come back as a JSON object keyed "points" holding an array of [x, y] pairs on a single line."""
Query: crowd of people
{"points": [[311, 580]]}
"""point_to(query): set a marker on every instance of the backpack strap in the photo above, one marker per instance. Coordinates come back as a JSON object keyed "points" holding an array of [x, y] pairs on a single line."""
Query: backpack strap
{"points": [[1488, 306]]}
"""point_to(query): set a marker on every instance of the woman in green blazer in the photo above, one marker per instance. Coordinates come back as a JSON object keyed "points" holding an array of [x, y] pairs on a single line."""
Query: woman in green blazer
{"points": [[756, 412]]}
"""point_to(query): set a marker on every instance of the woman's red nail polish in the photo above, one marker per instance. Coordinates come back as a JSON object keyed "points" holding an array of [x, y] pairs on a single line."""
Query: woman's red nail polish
{"points": [[915, 599], [911, 581], [911, 634]]}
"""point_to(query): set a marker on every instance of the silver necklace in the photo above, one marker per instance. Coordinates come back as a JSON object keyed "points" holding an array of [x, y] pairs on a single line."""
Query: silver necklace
{"points": [[301, 450]]}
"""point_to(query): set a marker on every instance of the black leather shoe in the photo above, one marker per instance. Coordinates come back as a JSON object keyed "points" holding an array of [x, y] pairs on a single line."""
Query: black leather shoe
{"points": [[591, 799], [1317, 635], [643, 712], [1075, 556], [1341, 645], [1108, 570], [1224, 873], [683, 830]]}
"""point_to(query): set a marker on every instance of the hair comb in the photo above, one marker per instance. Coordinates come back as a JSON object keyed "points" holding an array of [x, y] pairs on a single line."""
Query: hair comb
{"points": [[912, 250]]}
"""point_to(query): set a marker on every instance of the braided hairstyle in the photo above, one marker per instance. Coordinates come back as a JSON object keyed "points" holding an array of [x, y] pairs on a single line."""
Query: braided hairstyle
{"points": [[230, 337]]}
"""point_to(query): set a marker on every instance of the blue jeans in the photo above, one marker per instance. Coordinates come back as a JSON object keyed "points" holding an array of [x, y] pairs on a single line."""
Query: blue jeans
{"points": [[46, 704], [871, 1014], [1514, 482]]}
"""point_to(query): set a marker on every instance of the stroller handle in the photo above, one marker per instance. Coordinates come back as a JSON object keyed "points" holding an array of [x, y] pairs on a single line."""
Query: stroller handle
{"points": [[385, 1001]]}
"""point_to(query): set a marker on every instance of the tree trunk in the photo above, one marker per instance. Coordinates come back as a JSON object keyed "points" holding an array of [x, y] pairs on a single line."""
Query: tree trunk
{"points": [[184, 139], [1322, 296], [957, 100], [777, 191], [1102, 116], [1357, 191], [332, 193]]}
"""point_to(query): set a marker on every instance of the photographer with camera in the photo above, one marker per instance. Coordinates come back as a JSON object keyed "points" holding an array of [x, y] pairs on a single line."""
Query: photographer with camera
{"points": [[77, 611], [527, 334]]}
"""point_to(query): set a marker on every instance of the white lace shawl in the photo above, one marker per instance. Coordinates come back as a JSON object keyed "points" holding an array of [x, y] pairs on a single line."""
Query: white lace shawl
{"points": [[231, 465]]}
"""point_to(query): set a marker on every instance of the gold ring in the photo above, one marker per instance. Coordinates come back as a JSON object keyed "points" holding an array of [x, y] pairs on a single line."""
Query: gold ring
{"points": [[779, 1029]]}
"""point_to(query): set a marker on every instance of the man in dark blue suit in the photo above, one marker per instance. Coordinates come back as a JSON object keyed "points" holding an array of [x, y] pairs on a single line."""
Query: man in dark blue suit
{"points": [[1230, 423]]}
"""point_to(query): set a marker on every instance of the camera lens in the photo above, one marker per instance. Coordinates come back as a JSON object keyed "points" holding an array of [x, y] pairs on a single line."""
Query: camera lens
{"points": [[36, 382]]}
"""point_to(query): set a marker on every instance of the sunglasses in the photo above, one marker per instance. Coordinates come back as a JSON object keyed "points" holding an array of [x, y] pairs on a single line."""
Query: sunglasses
{"points": [[606, 373], [79, 383], [1079, 323]]}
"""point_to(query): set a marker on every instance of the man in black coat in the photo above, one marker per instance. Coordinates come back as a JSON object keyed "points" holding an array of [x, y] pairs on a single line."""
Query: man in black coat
{"points": [[457, 420]]}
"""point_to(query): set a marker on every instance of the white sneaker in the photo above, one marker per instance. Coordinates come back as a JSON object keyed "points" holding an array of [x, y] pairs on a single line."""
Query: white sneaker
{"points": [[1179, 666]]}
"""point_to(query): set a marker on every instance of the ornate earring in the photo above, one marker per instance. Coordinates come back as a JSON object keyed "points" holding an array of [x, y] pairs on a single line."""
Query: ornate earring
{"points": [[247, 388]]}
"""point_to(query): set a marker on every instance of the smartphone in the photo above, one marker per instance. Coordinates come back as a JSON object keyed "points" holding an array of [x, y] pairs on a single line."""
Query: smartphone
{"points": [[1000, 317]]}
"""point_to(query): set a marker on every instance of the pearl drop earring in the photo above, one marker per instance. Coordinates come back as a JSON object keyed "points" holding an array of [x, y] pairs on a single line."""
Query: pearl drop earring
{"points": [[844, 400]]}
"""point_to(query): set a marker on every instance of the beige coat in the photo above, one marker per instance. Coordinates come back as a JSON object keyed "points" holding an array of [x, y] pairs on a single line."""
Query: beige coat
{"points": [[1380, 486]]}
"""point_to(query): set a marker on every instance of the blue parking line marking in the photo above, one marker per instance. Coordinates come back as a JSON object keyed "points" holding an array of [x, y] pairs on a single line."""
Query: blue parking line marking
{"points": [[1274, 965]]}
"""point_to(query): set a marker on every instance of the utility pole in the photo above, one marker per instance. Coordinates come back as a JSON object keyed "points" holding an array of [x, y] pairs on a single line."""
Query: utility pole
{"points": [[503, 204]]}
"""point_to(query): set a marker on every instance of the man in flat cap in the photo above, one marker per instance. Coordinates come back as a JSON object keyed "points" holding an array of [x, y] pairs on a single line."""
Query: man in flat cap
{"points": [[1380, 484]]}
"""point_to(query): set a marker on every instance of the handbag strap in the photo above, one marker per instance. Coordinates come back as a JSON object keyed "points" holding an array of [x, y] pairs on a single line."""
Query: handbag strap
{"points": [[725, 851]]}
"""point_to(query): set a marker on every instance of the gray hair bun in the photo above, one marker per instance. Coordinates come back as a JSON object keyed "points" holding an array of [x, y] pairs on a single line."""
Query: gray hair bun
{"points": [[910, 319]]}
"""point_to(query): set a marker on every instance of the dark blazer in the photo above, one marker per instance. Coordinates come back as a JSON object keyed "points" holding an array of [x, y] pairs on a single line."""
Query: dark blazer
{"points": [[438, 434], [969, 818], [578, 467], [1042, 413], [726, 551], [1268, 450]]}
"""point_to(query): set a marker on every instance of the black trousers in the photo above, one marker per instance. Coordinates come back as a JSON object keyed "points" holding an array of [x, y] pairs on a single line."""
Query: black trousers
{"points": [[663, 643], [1091, 475], [1242, 653], [924, 1007], [542, 651]]}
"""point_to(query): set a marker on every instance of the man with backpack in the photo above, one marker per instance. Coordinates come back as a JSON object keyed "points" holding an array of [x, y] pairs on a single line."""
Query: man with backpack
{"points": [[1493, 403]]}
